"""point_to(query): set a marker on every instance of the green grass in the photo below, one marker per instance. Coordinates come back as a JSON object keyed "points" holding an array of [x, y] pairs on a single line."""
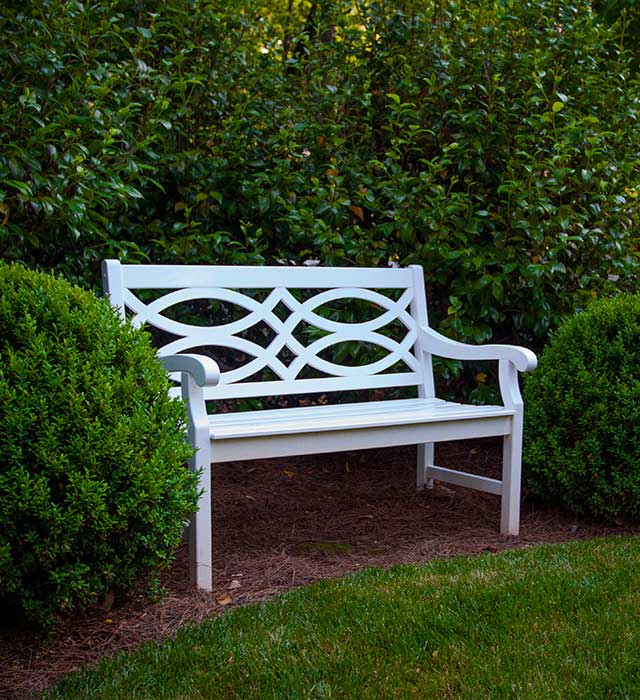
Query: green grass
{"points": [[558, 621]]}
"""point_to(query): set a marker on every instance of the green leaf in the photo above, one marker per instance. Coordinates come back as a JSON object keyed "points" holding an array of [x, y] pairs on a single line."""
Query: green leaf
{"points": [[23, 187], [132, 192]]}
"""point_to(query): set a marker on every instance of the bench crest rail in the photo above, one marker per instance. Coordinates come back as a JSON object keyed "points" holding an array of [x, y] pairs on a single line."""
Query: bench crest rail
{"points": [[284, 309]]}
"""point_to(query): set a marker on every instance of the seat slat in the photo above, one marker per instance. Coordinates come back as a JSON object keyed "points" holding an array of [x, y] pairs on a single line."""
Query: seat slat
{"points": [[310, 419]]}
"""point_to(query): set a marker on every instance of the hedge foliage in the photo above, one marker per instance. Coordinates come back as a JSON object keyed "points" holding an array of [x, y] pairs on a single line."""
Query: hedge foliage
{"points": [[625, 15], [582, 431], [93, 488], [497, 143]]}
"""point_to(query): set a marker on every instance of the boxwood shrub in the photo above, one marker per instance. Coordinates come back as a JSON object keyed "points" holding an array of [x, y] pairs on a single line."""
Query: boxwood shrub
{"points": [[582, 407], [93, 487]]}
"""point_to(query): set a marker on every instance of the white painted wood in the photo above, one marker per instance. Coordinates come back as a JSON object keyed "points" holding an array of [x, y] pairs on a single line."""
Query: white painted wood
{"points": [[425, 451], [113, 283], [204, 370], [200, 532], [308, 386], [512, 450], [376, 414], [323, 428], [426, 388], [263, 311], [440, 345], [339, 439], [470, 481], [425, 459], [249, 277], [301, 312]]}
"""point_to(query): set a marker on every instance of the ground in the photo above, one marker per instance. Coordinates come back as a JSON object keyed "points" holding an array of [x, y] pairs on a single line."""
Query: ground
{"points": [[288, 522]]}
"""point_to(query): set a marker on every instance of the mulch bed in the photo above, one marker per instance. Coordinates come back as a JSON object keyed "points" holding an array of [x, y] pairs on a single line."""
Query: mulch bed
{"points": [[288, 522]]}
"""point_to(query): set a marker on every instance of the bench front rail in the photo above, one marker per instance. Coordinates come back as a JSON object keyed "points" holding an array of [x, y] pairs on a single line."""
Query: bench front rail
{"points": [[398, 297]]}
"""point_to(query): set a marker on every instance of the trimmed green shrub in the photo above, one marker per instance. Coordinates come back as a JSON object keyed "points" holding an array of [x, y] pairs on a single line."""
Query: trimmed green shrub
{"points": [[93, 488], [582, 413]]}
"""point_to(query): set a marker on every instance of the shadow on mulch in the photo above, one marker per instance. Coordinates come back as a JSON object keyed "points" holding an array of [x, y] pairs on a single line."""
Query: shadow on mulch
{"points": [[284, 523]]}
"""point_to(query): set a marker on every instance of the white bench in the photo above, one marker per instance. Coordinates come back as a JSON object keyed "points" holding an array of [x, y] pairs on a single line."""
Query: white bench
{"points": [[287, 299]]}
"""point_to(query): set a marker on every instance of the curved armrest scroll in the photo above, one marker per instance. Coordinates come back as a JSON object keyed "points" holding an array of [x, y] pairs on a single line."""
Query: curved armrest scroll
{"points": [[203, 369], [438, 344]]}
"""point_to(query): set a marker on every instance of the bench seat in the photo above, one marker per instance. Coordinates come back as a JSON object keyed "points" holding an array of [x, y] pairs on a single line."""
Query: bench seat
{"points": [[412, 421]]}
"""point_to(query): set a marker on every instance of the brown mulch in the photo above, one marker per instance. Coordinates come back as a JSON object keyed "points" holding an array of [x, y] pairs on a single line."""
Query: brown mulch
{"points": [[288, 522]]}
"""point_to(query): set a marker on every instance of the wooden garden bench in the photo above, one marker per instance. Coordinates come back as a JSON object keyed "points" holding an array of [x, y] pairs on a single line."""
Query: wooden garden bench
{"points": [[290, 301]]}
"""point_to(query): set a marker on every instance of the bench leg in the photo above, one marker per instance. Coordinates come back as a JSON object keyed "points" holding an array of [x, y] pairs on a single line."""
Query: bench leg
{"points": [[425, 459], [511, 478], [200, 544], [200, 541]]}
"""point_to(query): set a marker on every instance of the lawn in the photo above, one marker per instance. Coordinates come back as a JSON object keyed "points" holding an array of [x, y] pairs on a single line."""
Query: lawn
{"points": [[552, 621]]}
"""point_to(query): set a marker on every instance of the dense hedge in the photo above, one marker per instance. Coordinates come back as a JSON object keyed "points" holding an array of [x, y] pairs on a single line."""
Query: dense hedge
{"points": [[496, 143], [625, 15], [582, 409], [93, 487]]}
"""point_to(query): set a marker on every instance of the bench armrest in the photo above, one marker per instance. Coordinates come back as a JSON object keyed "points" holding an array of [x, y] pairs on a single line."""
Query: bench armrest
{"points": [[203, 369], [432, 341]]}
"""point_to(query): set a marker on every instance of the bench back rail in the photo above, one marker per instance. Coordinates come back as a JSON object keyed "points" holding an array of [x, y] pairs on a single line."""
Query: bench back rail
{"points": [[397, 294]]}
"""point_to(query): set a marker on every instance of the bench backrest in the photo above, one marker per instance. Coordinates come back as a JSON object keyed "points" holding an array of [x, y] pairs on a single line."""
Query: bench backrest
{"points": [[284, 299]]}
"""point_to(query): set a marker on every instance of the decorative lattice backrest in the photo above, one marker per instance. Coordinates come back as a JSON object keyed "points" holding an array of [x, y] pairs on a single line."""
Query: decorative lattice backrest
{"points": [[282, 330]]}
